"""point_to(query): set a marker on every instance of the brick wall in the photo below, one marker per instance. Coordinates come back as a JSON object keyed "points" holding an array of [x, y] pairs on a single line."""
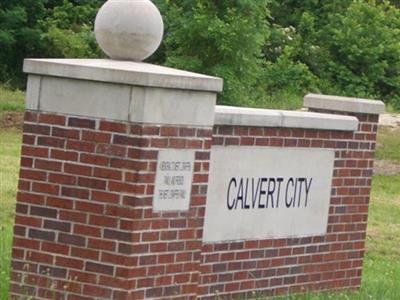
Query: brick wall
{"points": [[85, 228], [279, 266]]}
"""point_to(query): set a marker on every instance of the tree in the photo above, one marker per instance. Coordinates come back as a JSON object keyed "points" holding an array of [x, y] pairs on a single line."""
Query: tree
{"points": [[222, 38]]}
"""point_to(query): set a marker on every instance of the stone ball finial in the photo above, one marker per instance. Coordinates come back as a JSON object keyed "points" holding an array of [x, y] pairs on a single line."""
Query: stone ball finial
{"points": [[129, 29]]}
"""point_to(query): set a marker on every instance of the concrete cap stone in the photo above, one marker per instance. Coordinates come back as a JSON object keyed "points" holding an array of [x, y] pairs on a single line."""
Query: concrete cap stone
{"points": [[240, 116], [345, 104], [123, 72]]}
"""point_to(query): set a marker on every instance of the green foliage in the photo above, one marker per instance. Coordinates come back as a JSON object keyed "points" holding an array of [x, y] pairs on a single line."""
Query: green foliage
{"points": [[351, 46], [365, 50], [18, 36], [263, 49], [44, 28], [68, 30], [221, 38]]}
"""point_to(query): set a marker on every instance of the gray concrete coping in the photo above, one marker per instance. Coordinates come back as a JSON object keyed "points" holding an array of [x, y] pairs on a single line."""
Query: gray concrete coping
{"points": [[346, 104], [123, 72], [241, 116]]}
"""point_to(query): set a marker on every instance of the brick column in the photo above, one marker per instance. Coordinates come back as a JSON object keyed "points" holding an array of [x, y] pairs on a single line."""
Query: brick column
{"points": [[86, 227]]}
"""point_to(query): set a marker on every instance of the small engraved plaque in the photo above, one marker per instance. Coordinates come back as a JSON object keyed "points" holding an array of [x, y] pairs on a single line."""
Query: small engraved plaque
{"points": [[173, 180]]}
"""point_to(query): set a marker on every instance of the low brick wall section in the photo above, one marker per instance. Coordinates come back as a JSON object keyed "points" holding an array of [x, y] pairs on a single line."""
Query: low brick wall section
{"points": [[280, 266], [85, 226]]}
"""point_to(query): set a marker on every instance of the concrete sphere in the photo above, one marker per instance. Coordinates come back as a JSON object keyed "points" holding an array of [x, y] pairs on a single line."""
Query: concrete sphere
{"points": [[129, 29]]}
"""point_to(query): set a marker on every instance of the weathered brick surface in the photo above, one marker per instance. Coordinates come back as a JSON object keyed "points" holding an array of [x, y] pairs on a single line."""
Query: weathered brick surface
{"points": [[85, 228], [280, 266], [85, 218]]}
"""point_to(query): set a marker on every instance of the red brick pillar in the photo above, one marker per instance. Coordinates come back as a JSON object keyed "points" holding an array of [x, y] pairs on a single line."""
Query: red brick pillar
{"points": [[96, 136], [352, 187]]}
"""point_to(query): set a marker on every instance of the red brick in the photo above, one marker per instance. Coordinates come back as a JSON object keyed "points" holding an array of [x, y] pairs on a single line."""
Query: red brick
{"points": [[57, 225], [55, 248], [125, 188], [28, 221], [62, 179], [28, 139], [43, 212], [40, 257], [85, 253], [97, 291], [94, 159], [69, 263], [64, 155], [51, 142], [30, 116], [65, 133], [26, 162], [177, 143], [34, 175], [34, 151], [113, 126], [73, 216], [101, 244], [105, 197], [48, 165], [41, 235], [128, 164], [99, 268], [52, 119], [80, 146], [78, 169], [130, 141], [117, 235], [87, 230], [71, 239], [95, 136], [89, 207], [136, 130], [92, 183], [75, 192], [59, 202], [143, 154], [81, 123], [103, 221], [169, 131], [36, 128], [107, 173], [158, 143], [26, 243], [111, 150], [24, 185], [151, 130], [82, 277]]}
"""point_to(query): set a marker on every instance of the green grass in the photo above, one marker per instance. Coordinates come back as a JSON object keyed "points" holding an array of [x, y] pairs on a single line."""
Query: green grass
{"points": [[282, 100], [11, 100], [381, 273], [10, 143], [388, 144]]}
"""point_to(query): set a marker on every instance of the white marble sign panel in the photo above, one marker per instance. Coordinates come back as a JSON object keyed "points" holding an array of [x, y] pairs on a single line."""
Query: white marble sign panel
{"points": [[173, 180], [267, 192]]}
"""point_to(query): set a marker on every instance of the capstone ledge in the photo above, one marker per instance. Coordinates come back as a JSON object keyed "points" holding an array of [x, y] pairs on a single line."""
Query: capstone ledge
{"points": [[240, 116]]}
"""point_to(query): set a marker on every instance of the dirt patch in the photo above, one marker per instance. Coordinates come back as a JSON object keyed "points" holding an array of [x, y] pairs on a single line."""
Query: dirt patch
{"points": [[385, 167], [11, 119]]}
